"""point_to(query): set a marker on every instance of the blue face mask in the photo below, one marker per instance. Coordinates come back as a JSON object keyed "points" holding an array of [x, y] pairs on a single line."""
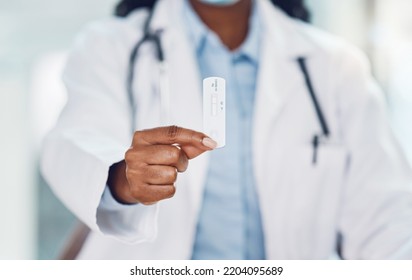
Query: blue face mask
{"points": [[220, 2]]}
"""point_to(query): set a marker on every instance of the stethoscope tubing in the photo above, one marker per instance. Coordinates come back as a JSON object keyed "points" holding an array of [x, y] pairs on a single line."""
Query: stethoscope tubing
{"points": [[149, 37]]}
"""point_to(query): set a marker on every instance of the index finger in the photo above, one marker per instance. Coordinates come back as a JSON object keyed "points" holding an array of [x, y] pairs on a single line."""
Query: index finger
{"points": [[174, 135]]}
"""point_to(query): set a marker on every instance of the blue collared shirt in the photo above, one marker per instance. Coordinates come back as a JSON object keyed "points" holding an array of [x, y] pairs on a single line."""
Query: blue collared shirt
{"points": [[229, 225]]}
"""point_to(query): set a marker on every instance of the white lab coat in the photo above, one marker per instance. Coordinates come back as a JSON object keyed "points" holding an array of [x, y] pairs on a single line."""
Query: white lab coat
{"points": [[360, 188]]}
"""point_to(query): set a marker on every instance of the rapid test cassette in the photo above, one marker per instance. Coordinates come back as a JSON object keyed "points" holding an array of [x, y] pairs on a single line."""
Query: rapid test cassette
{"points": [[214, 109]]}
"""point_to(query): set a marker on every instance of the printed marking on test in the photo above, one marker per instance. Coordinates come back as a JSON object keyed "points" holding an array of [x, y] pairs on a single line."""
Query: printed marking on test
{"points": [[214, 109]]}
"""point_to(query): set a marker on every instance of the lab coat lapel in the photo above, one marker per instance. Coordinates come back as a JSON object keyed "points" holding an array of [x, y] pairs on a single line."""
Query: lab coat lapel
{"points": [[279, 82], [185, 90]]}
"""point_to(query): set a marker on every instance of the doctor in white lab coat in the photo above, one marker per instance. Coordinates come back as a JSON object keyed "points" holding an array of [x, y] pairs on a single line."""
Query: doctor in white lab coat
{"points": [[356, 196]]}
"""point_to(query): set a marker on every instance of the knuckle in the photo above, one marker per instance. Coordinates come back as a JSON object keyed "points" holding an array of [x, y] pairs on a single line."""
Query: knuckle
{"points": [[135, 159], [128, 156], [134, 173], [174, 154], [130, 175], [136, 136], [173, 132]]}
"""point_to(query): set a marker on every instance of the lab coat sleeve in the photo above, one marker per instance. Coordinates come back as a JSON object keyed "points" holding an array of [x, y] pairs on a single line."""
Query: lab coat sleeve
{"points": [[92, 133], [376, 218]]}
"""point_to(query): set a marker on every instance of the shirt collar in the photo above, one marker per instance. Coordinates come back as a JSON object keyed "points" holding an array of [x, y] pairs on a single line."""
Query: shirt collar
{"points": [[199, 33]]}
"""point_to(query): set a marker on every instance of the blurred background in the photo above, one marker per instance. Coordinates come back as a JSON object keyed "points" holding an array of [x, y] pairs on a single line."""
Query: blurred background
{"points": [[34, 39]]}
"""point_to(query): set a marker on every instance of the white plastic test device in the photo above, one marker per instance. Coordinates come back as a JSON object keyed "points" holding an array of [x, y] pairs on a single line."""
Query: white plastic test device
{"points": [[214, 109]]}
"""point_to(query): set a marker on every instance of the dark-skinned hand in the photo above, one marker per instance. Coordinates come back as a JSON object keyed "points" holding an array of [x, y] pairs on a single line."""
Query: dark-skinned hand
{"points": [[151, 165]]}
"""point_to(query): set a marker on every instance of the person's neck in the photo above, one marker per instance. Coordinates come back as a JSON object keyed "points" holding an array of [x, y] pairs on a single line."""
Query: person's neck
{"points": [[230, 23]]}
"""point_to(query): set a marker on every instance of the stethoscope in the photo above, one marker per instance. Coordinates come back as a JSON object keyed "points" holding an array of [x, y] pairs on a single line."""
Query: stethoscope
{"points": [[154, 37]]}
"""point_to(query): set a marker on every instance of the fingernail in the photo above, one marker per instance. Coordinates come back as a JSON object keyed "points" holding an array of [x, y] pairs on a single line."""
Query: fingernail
{"points": [[210, 143]]}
